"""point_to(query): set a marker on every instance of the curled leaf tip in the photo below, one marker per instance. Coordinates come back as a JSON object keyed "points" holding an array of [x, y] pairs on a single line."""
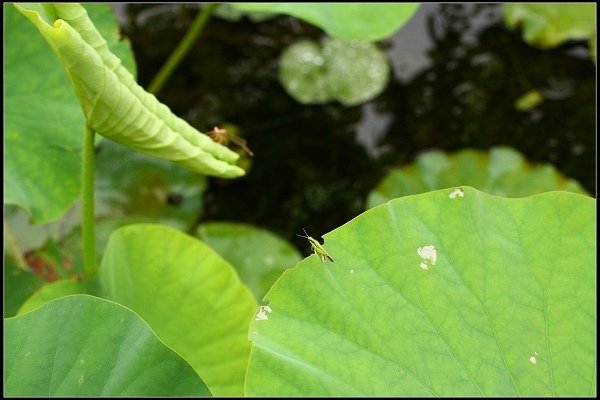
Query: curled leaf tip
{"points": [[115, 106]]}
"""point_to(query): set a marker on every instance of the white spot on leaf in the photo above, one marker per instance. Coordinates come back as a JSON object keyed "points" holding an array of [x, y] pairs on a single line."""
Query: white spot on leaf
{"points": [[457, 192], [428, 254], [262, 313], [533, 358]]}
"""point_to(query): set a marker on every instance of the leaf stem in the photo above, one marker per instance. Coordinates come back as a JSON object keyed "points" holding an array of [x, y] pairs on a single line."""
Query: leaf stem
{"points": [[87, 194], [182, 49]]}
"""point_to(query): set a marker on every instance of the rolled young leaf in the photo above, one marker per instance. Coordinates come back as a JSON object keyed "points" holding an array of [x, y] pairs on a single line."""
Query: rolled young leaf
{"points": [[114, 105]]}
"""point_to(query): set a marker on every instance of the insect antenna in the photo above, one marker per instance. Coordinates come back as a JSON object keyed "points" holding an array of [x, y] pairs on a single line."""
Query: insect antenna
{"points": [[306, 237]]}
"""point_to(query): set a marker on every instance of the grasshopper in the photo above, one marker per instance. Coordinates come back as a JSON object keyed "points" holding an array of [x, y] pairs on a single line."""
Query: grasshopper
{"points": [[223, 137], [316, 246]]}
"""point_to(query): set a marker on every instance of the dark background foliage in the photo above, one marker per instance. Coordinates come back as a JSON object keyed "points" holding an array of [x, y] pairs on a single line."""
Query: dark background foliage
{"points": [[457, 71]]}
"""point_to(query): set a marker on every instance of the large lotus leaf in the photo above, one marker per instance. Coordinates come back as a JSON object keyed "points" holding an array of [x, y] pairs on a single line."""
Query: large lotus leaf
{"points": [[548, 25], [439, 294], [82, 346], [259, 256], [190, 296], [503, 172], [114, 105], [345, 21], [351, 72], [43, 123]]}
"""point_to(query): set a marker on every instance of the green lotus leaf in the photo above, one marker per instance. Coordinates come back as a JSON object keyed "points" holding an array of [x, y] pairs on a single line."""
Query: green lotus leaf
{"points": [[501, 171], [439, 294], [116, 106], [189, 296], [351, 72], [549, 25], [82, 346], [345, 21], [258, 256]]}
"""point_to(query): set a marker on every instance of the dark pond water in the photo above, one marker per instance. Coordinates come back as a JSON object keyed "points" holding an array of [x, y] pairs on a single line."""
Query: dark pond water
{"points": [[456, 74]]}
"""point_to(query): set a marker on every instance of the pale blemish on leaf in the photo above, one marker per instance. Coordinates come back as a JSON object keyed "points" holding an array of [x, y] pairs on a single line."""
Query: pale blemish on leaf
{"points": [[269, 260], [533, 358], [80, 381], [428, 254], [457, 192], [263, 312]]}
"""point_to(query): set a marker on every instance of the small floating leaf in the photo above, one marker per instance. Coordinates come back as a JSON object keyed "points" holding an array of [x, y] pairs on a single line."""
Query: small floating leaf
{"points": [[351, 72]]}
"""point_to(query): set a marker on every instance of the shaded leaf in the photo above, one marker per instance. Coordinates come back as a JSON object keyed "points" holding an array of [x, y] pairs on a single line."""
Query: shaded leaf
{"points": [[53, 291], [435, 295], [501, 171], [86, 346], [258, 256], [18, 286], [549, 25], [132, 184]]}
